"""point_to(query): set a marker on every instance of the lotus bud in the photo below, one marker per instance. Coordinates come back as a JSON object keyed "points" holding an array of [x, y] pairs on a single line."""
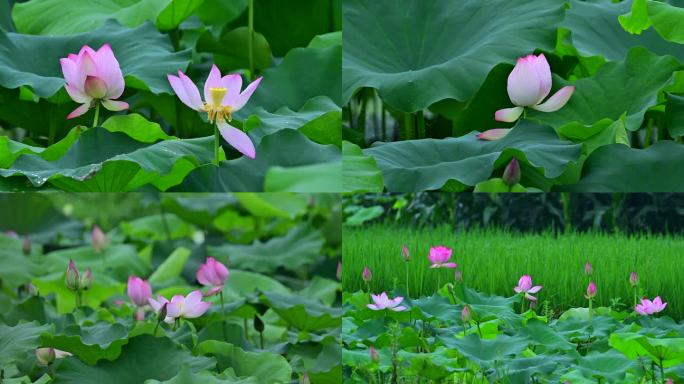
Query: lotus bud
{"points": [[373, 354], [72, 277], [466, 316], [258, 324], [458, 276], [26, 246], [45, 356], [511, 175], [633, 279], [405, 253], [591, 290], [588, 270], [338, 274], [99, 239], [86, 280], [367, 275]]}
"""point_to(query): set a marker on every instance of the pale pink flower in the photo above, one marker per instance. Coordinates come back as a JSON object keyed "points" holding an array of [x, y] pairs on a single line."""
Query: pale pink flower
{"points": [[405, 254], [222, 98], [382, 302], [588, 269], [373, 354], [525, 286], [439, 256], [493, 134], [528, 85], [98, 239], [93, 77], [188, 307], [138, 291], [648, 307], [633, 279], [212, 274]]}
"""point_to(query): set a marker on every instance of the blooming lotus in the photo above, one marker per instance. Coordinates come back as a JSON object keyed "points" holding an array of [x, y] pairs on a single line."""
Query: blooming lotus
{"points": [[382, 302], [648, 307], [93, 77], [528, 85], [439, 256], [222, 98], [591, 291], [188, 307], [525, 286], [212, 274]]}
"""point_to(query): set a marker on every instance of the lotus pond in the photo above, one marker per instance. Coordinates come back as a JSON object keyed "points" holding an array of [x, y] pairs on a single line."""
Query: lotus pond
{"points": [[175, 289], [105, 95], [582, 96]]}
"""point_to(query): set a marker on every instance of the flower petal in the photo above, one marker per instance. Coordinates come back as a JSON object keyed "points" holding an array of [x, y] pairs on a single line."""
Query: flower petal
{"points": [[242, 99], [399, 308], [233, 85], [535, 289], [179, 90], [493, 134], [450, 265], [79, 111], [110, 71], [76, 95], [191, 91], [238, 139], [508, 115], [196, 310], [524, 83], [213, 81], [72, 75], [544, 74], [373, 307], [114, 105], [557, 101]]}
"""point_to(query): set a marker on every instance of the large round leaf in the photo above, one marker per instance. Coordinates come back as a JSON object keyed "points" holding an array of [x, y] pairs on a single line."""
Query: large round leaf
{"points": [[18, 341], [417, 52], [429, 164], [619, 168], [145, 56], [264, 366]]}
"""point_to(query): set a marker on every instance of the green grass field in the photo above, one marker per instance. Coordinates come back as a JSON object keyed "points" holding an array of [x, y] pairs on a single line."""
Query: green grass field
{"points": [[493, 260]]}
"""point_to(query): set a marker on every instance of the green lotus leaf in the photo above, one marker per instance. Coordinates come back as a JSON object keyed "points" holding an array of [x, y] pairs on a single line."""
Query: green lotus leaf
{"points": [[445, 52], [90, 343], [17, 342], [301, 313], [360, 173], [145, 56], [263, 366], [429, 164]]}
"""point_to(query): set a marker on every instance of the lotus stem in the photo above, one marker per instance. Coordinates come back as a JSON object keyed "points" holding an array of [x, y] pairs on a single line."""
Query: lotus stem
{"points": [[408, 128], [246, 329], [97, 115], [223, 317], [155, 328], [217, 139], [421, 124], [407, 280], [250, 43], [649, 133]]}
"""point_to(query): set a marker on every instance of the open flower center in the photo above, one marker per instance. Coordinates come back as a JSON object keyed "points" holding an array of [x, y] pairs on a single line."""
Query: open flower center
{"points": [[215, 109]]}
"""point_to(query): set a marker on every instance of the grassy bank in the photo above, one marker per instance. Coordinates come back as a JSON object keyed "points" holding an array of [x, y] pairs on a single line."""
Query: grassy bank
{"points": [[493, 260]]}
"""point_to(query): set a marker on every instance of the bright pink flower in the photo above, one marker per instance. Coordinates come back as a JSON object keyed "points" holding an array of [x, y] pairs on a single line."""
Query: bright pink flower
{"points": [[188, 307], [525, 286], [99, 239], [633, 279], [591, 290], [382, 302], [93, 77], [138, 290], [212, 274], [439, 256], [493, 134], [528, 85], [367, 276], [648, 307], [405, 254], [222, 98]]}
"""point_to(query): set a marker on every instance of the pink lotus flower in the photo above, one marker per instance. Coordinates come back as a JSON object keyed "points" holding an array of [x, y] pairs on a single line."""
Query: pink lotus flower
{"points": [[493, 134], [405, 254], [528, 85], [633, 279], [648, 307], [525, 286], [367, 276], [439, 256], [588, 270], [511, 175], [466, 316], [99, 239], [373, 354], [212, 274], [93, 77], [188, 307], [138, 290], [222, 98], [591, 291], [382, 302], [72, 280]]}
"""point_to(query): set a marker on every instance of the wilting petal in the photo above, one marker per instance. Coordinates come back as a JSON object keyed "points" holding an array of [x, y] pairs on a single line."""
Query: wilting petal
{"points": [[79, 111], [191, 91], [233, 85], [557, 101], [524, 85], [530, 297], [213, 81], [242, 99], [110, 71], [493, 134], [213, 291], [238, 139], [508, 115], [114, 105], [450, 265], [196, 310]]}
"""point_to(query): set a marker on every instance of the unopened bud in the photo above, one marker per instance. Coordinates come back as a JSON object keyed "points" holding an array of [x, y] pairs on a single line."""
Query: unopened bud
{"points": [[633, 279], [86, 280], [458, 276], [466, 316], [99, 239], [72, 277], [405, 253], [373, 354], [511, 175], [45, 356], [367, 275], [26, 246]]}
